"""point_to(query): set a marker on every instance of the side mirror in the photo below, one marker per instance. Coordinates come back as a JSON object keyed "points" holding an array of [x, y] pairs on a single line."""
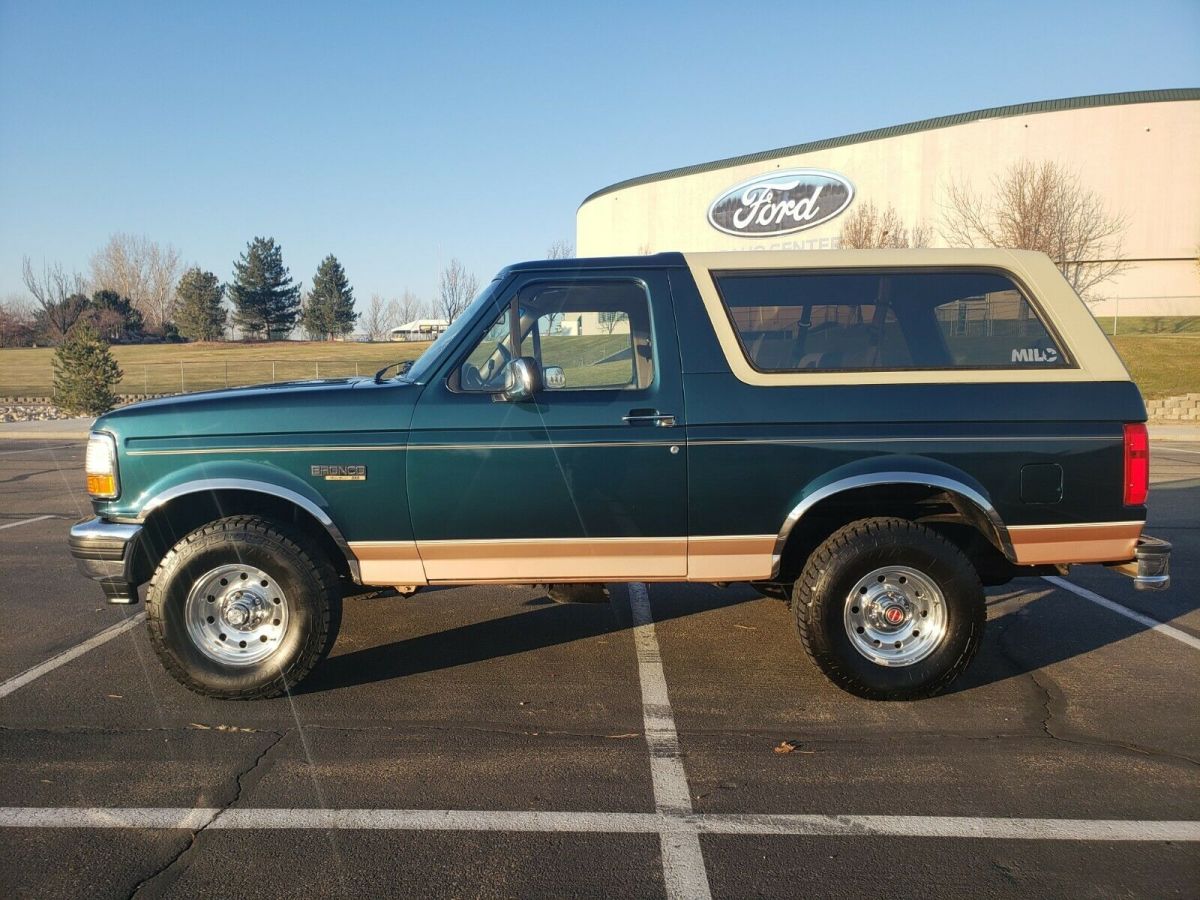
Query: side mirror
{"points": [[522, 379], [554, 378]]}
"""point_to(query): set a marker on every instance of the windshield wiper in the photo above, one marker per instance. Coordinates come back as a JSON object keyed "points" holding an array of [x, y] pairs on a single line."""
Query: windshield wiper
{"points": [[402, 367]]}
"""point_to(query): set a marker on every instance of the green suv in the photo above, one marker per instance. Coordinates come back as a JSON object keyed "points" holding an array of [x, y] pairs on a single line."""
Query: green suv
{"points": [[873, 436]]}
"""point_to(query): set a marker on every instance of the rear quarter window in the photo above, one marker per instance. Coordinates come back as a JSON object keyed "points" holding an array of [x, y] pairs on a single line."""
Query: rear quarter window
{"points": [[880, 320]]}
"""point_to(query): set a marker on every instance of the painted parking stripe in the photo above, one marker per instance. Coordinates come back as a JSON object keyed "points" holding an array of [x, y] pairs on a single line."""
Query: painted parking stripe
{"points": [[970, 827], [1174, 450], [26, 522], [1152, 624], [682, 859], [36, 672], [35, 449]]}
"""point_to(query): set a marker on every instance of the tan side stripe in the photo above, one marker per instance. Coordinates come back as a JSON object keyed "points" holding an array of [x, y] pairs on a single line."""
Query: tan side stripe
{"points": [[388, 562], [557, 559], [705, 558], [1074, 543], [730, 558]]}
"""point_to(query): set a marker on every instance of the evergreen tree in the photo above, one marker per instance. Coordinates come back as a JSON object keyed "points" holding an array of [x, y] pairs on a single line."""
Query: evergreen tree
{"points": [[114, 316], [329, 307], [265, 299], [85, 373], [198, 310]]}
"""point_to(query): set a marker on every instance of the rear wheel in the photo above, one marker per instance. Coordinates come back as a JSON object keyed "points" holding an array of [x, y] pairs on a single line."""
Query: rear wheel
{"points": [[889, 609], [243, 608]]}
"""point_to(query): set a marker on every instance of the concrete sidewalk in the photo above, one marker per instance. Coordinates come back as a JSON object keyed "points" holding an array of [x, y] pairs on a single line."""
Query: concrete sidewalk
{"points": [[72, 429], [47, 430]]}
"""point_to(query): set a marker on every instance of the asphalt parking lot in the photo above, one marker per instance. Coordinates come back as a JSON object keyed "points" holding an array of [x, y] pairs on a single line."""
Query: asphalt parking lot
{"points": [[480, 742]]}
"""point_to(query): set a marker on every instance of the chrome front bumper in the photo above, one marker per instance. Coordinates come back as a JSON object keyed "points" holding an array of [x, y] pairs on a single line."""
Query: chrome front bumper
{"points": [[1150, 568], [104, 552]]}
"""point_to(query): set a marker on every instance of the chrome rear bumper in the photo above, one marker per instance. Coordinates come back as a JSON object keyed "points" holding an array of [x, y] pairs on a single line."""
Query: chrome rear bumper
{"points": [[1150, 568]]}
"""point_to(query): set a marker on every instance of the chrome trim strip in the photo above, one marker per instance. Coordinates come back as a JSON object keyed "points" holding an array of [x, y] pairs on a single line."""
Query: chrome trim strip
{"points": [[261, 487], [1021, 529], [322, 449], [183, 451], [882, 478], [717, 442]]}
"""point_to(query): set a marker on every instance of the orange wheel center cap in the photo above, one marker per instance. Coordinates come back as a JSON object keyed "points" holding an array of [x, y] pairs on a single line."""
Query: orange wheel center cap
{"points": [[893, 615]]}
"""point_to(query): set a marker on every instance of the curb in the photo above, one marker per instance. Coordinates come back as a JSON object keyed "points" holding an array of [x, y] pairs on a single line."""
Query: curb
{"points": [[49, 436]]}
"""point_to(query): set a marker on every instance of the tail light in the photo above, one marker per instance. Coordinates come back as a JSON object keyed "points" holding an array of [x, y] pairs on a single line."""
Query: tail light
{"points": [[1137, 464]]}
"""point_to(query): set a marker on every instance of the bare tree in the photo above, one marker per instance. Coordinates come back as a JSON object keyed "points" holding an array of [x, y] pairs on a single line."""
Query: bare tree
{"points": [[375, 320], [61, 298], [1041, 206], [866, 227], [142, 270], [16, 322], [610, 323], [408, 308], [561, 249], [456, 287]]}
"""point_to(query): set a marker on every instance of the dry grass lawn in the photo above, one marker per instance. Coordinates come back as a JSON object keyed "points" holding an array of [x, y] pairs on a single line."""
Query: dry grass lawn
{"points": [[1162, 364], [156, 368]]}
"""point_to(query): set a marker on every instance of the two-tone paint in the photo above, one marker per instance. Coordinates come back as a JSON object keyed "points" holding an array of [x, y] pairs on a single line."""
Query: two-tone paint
{"points": [[576, 486]]}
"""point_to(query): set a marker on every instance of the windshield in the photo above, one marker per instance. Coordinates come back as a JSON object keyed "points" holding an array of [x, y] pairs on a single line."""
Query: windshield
{"points": [[428, 361]]}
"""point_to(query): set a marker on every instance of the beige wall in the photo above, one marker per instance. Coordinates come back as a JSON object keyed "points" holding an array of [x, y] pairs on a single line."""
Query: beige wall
{"points": [[1141, 157]]}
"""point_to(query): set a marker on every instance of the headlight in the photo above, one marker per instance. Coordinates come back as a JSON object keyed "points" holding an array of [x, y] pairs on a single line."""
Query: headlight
{"points": [[103, 482]]}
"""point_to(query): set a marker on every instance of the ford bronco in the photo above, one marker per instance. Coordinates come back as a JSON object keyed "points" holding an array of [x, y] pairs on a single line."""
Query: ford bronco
{"points": [[872, 436]]}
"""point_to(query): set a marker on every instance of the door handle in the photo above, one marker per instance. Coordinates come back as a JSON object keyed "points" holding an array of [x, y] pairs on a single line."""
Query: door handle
{"points": [[648, 417]]}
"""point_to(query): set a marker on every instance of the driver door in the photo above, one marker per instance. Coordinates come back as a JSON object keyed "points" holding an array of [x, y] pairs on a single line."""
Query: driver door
{"points": [[586, 481]]}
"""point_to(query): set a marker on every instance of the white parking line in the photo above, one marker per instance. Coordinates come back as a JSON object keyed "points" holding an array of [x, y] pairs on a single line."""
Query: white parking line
{"points": [[1152, 624], [36, 672], [1174, 450], [34, 449], [682, 859], [26, 522], [976, 827]]}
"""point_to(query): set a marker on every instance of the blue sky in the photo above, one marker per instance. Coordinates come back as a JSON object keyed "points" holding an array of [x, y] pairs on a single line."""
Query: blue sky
{"points": [[398, 135]]}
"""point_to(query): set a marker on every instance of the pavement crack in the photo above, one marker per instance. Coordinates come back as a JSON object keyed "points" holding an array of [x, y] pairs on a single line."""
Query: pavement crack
{"points": [[160, 881]]}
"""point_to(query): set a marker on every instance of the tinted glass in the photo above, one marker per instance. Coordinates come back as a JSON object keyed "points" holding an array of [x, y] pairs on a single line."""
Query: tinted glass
{"points": [[831, 321], [594, 333], [584, 336]]}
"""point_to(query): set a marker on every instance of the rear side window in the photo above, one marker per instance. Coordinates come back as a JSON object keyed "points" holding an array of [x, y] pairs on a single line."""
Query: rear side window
{"points": [[911, 319]]}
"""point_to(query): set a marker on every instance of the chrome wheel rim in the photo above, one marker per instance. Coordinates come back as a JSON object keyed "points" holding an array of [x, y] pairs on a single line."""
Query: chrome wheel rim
{"points": [[236, 615], [895, 616]]}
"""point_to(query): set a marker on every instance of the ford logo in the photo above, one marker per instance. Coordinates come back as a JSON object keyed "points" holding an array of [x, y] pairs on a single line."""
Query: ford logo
{"points": [[780, 203]]}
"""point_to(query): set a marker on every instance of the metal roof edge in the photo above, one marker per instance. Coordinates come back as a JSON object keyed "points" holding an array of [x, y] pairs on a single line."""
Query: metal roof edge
{"points": [[1127, 98]]}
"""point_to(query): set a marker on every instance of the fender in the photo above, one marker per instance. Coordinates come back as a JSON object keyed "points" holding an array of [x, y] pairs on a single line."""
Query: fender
{"points": [[885, 470], [204, 478]]}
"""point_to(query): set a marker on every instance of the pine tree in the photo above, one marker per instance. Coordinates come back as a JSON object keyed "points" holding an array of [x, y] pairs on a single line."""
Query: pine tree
{"points": [[198, 310], [329, 308], [85, 373], [265, 299]]}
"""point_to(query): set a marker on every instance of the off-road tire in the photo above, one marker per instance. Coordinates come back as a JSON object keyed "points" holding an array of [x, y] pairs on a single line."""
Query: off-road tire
{"points": [[311, 591], [819, 600]]}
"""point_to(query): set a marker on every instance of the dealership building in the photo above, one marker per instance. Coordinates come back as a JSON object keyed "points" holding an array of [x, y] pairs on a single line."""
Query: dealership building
{"points": [[1139, 152]]}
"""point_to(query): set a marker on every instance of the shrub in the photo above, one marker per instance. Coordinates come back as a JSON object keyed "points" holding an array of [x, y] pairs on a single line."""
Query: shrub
{"points": [[85, 373]]}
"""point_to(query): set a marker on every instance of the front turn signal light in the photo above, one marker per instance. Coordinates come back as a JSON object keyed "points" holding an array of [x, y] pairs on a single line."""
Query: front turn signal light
{"points": [[100, 466]]}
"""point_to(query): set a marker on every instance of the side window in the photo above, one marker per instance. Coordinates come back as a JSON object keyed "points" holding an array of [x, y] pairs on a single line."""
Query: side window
{"points": [[483, 370], [996, 329], [585, 336], [856, 321]]}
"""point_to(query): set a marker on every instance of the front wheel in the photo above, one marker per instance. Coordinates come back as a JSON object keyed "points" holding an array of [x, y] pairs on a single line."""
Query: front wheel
{"points": [[243, 608], [889, 609]]}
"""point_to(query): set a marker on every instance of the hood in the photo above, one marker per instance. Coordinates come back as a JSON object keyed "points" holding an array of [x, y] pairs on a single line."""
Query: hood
{"points": [[329, 406]]}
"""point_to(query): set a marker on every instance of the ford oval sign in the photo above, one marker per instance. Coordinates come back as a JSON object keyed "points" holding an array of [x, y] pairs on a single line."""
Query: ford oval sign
{"points": [[780, 203]]}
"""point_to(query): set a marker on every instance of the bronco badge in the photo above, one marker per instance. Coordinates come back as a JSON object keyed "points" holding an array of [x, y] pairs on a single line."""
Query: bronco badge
{"points": [[339, 473]]}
